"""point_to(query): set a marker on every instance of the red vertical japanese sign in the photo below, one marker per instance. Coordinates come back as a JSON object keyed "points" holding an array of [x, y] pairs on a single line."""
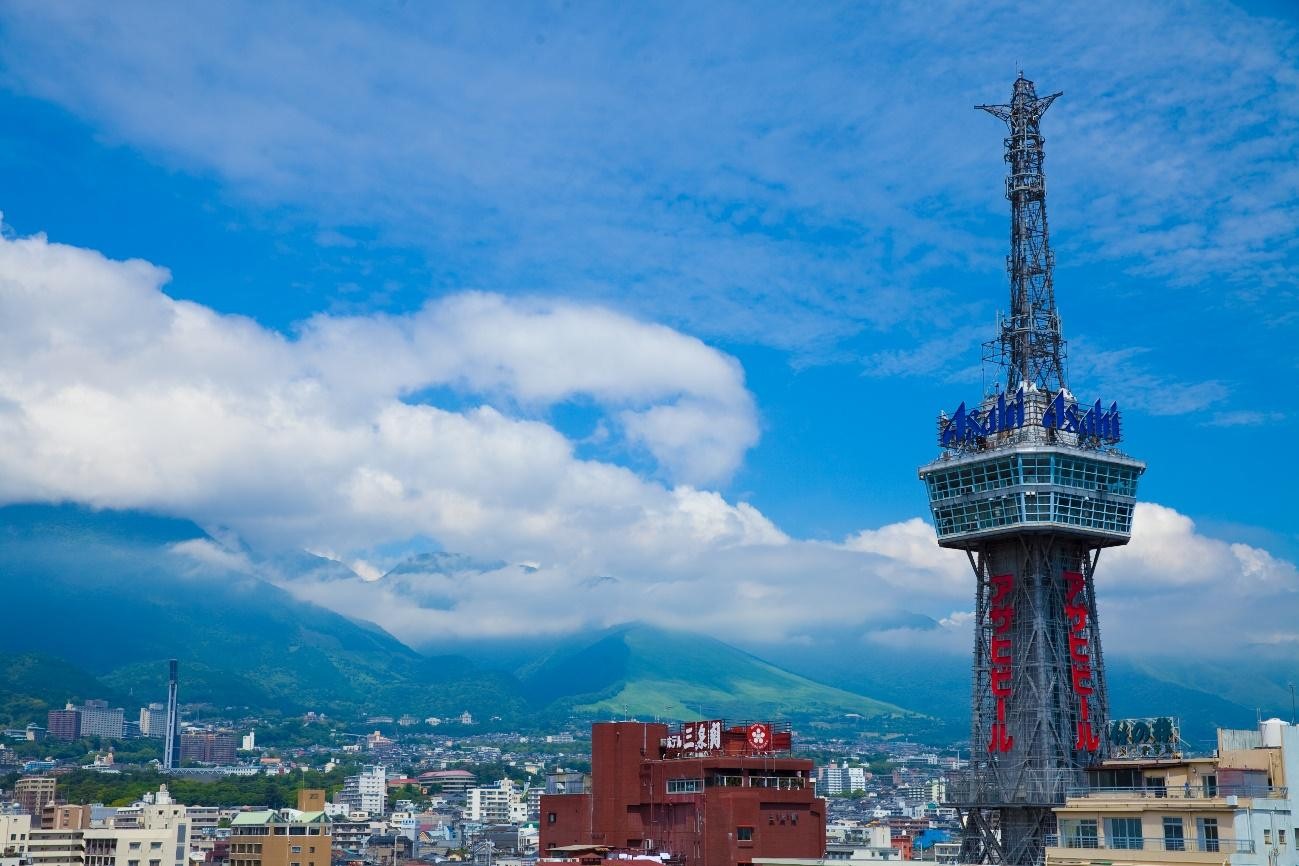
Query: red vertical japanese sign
{"points": [[1001, 616], [1080, 660]]}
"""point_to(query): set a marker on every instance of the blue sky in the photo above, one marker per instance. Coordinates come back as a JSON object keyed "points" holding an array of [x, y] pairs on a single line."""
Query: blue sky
{"points": [[804, 202]]}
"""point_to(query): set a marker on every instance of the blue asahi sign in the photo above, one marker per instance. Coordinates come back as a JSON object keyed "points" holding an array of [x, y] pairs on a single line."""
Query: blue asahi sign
{"points": [[1095, 423], [966, 425], [969, 425]]}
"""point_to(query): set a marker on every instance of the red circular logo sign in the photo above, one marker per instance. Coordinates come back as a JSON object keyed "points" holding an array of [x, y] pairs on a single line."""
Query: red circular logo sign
{"points": [[760, 736]]}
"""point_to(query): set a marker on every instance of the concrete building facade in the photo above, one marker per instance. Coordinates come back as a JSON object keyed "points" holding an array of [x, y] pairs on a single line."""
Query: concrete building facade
{"points": [[705, 794], [286, 837], [33, 792], [1235, 807], [366, 792]]}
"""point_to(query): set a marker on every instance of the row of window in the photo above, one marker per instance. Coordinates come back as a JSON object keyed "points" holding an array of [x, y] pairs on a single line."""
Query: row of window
{"points": [[719, 780], [1126, 834], [1082, 473], [1045, 507]]}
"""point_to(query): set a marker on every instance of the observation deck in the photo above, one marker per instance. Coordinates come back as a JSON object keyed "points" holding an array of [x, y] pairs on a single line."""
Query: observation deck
{"points": [[1032, 464]]}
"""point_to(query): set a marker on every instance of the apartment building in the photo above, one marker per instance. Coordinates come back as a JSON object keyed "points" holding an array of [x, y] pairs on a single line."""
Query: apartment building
{"points": [[502, 803], [842, 779], [284, 837], [33, 792], [365, 792], [98, 719], [1234, 808]]}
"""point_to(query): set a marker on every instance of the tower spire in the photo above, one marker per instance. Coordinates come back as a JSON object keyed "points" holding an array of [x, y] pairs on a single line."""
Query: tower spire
{"points": [[1031, 349]]}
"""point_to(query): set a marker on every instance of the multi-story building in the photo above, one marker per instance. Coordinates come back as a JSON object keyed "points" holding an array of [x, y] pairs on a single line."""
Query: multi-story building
{"points": [[64, 724], [1235, 807], [60, 816], [286, 837], [158, 839], [706, 793], [33, 792], [15, 833], [365, 792], [502, 803], [844, 779], [153, 721], [208, 747], [100, 720]]}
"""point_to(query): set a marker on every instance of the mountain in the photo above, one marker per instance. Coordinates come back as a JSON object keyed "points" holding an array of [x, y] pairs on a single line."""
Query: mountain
{"points": [[644, 671], [117, 593], [32, 684]]}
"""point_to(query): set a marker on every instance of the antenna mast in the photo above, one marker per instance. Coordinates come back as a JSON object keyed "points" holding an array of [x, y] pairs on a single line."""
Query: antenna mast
{"points": [[1030, 348]]}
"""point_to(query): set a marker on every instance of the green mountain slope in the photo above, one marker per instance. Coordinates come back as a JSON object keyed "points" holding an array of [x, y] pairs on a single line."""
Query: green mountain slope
{"points": [[117, 593], [645, 671], [32, 684]]}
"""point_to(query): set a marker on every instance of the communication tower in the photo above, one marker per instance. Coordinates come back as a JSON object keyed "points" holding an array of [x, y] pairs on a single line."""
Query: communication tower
{"points": [[173, 719], [1031, 485]]}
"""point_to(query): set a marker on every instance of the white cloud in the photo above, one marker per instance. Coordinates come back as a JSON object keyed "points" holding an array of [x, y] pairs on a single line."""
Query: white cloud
{"points": [[703, 156], [114, 394]]}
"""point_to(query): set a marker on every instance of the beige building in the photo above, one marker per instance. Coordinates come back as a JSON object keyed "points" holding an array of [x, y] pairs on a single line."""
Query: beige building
{"points": [[15, 831], [158, 837], [33, 792], [1232, 808], [287, 837]]}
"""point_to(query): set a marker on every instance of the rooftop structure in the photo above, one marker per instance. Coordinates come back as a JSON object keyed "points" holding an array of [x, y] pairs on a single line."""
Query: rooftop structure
{"points": [[1031, 485]]}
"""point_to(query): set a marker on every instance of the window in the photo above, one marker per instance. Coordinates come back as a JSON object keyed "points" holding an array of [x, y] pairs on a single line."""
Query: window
{"points": [[685, 786], [296, 849], [1267, 837], [550, 817], [1157, 785], [135, 846], [744, 834], [1080, 834], [155, 846], [1280, 838], [1208, 833], [1124, 833], [1174, 837], [1210, 786]]}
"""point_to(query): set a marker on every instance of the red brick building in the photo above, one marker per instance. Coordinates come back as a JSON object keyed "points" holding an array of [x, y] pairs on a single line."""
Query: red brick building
{"points": [[706, 794]]}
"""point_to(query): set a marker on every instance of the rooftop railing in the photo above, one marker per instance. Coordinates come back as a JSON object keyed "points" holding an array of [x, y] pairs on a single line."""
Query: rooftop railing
{"points": [[1153, 843], [1198, 791]]}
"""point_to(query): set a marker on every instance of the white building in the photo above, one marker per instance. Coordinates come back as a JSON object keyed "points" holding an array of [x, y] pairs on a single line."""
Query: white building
{"points": [[502, 803], [153, 721], [100, 720], [840, 780], [365, 792]]}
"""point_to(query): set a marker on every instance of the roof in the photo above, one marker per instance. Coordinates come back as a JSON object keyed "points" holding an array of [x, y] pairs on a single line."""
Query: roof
{"points": [[271, 816]]}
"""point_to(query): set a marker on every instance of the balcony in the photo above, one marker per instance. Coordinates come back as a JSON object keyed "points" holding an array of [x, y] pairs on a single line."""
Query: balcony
{"points": [[1181, 792], [1152, 843]]}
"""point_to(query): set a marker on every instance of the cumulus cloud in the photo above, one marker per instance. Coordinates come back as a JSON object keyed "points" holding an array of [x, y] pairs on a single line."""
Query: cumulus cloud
{"points": [[115, 394]]}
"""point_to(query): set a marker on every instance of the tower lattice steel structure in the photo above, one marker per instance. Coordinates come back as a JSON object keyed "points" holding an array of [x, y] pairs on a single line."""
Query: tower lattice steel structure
{"points": [[1031, 486]]}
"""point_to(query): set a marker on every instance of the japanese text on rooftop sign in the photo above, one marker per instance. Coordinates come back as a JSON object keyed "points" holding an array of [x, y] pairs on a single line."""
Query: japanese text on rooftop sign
{"points": [[1001, 652], [697, 737]]}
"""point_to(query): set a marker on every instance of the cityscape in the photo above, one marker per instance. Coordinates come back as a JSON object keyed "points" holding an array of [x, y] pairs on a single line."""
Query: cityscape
{"points": [[498, 436]]}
